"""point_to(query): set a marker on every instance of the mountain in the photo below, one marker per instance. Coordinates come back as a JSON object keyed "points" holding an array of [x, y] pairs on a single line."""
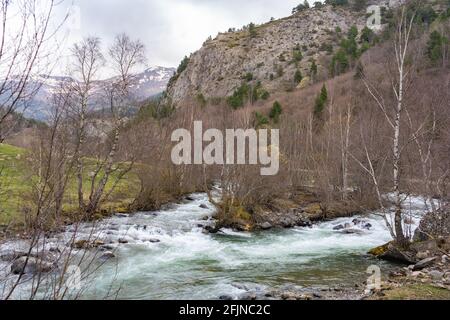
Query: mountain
{"points": [[151, 82], [269, 54]]}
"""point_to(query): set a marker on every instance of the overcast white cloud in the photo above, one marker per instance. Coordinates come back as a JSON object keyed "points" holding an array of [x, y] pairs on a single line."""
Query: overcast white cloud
{"points": [[170, 29]]}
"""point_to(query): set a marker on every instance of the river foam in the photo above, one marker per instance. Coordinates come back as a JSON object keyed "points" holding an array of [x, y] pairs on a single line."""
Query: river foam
{"points": [[166, 254]]}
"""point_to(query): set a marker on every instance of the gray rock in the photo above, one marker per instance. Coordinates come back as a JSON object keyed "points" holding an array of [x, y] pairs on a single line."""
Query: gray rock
{"points": [[107, 255], [11, 255], [250, 296], [204, 206], [154, 241], [352, 231], [31, 266], [423, 255], [393, 253], [212, 229], [339, 227], [367, 226], [226, 298], [107, 247], [436, 275], [266, 226], [54, 250], [425, 263], [123, 241]]}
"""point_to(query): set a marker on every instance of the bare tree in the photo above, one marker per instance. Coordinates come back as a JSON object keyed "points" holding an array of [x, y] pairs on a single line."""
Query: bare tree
{"points": [[25, 30], [125, 54], [88, 60], [400, 81]]}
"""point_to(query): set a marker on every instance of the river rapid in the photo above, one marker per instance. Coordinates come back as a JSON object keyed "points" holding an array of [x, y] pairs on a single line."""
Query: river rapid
{"points": [[167, 255]]}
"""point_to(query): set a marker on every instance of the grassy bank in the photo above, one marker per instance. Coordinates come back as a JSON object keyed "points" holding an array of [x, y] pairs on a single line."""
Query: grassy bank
{"points": [[414, 291], [16, 188]]}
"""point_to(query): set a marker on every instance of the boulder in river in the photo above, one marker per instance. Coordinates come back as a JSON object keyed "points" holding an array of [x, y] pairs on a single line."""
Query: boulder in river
{"points": [[367, 226], [87, 244], [107, 256], [211, 229], [204, 206], [107, 247], [265, 226], [30, 265], [11, 255], [352, 231]]}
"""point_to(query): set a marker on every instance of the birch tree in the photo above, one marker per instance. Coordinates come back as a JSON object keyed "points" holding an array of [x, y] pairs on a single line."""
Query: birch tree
{"points": [[393, 116]]}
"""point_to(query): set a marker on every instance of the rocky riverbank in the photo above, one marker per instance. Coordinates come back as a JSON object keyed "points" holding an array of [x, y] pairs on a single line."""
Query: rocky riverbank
{"points": [[295, 292], [427, 274], [300, 208], [427, 279]]}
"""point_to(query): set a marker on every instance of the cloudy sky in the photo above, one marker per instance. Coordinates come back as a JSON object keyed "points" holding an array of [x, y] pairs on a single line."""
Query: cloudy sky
{"points": [[170, 29]]}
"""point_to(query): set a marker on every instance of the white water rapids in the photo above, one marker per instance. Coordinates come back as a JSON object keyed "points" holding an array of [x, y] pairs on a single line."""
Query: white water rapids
{"points": [[189, 264]]}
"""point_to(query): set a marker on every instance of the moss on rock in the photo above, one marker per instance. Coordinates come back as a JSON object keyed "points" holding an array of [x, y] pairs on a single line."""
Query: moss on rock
{"points": [[379, 251]]}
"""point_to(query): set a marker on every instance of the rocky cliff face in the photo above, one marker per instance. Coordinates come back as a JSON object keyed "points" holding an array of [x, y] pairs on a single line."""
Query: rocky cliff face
{"points": [[270, 53]]}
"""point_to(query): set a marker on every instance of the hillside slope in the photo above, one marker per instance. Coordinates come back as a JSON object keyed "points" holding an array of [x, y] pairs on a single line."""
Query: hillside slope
{"points": [[270, 53]]}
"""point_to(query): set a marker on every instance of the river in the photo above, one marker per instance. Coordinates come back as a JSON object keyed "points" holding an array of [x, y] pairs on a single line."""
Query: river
{"points": [[165, 255]]}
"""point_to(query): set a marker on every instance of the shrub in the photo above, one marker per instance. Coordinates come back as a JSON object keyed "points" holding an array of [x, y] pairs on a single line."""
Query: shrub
{"points": [[339, 63], [367, 35], [318, 4], [336, 3], [297, 55], [265, 94], [435, 46], [276, 112], [321, 101], [252, 30], [183, 65], [313, 69], [239, 96], [248, 76], [301, 7], [201, 100], [260, 120], [298, 77]]}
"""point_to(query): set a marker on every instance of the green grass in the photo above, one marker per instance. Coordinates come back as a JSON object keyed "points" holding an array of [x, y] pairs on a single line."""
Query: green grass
{"points": [[16, 187], [417, 291], [13, 182]]}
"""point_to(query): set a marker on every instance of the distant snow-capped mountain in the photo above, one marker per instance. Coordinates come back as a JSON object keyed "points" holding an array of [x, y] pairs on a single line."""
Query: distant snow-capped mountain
{"points": [[151, 82]]}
